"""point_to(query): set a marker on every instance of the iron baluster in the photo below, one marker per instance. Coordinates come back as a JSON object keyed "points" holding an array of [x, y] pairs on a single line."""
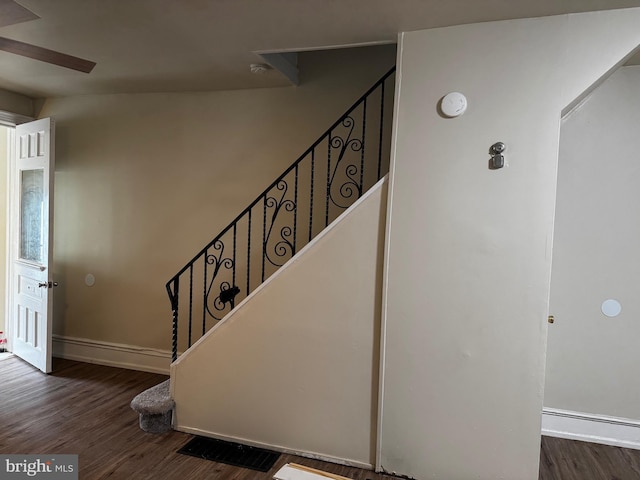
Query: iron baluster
{"points": [[204, 294], [235, 231], [190, 301], [364, 128], [174, 336], [326, 212], [381, 128], [174, 307], [264, 231], [313, 161], [295, 213], [249, 252]]}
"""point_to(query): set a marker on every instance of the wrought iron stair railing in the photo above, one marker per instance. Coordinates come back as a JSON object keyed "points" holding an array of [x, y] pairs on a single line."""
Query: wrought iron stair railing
{"points": [[349, 158]]}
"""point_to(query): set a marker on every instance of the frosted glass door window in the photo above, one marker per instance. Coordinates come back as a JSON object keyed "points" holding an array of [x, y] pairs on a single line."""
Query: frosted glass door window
{"points": [[32, 215]]}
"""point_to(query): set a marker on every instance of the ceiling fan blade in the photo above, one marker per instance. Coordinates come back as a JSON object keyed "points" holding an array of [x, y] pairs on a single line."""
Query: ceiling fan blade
{"points": [[12, 13], [46, 55]]}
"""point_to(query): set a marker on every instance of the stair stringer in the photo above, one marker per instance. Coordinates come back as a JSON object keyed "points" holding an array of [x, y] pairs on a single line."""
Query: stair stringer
{"points": [[294, 367]]}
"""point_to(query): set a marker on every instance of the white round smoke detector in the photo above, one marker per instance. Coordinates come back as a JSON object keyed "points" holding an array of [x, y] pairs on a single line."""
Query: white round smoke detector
{"points": [[453, 104]]}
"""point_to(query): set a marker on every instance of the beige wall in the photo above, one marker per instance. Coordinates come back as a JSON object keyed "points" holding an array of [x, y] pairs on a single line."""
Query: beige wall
{"points": [[144, 181], [16, 103], [468, 248], [592, 362], [297, 368]]}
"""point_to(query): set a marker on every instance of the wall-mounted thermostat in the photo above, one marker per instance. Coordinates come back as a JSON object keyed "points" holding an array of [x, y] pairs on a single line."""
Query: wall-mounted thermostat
{"points": [[453, 104]]}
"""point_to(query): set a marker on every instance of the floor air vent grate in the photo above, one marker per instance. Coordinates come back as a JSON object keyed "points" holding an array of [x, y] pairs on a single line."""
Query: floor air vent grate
{"points": [[231, 453]]}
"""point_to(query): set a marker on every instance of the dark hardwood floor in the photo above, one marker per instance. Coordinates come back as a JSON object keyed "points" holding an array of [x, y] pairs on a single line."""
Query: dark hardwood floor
{"points": [[84, 409], [572, 460]]}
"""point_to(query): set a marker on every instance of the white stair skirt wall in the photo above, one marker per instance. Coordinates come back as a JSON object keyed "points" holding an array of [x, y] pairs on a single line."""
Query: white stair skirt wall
{"points": [[618, 432], [131, 357], [295, 366]]}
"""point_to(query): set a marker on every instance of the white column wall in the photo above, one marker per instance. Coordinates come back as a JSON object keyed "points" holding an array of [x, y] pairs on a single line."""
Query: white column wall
{"points": [[468, 256]]}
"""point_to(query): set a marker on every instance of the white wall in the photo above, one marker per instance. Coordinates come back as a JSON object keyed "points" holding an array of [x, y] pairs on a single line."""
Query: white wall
{"points": [[593, 360], [468, 248], [4, 132], [296, 365], [144, 181]]}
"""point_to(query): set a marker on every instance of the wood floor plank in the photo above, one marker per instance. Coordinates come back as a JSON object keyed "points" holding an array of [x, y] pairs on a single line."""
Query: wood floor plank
{"points": [[84, 409], [562, 459]]}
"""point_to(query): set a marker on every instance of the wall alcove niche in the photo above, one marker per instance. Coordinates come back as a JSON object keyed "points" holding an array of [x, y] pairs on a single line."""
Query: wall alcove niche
{"points": [[592, 356]]}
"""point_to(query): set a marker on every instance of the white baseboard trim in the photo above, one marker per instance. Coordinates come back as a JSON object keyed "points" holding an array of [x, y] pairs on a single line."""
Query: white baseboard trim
{"points": [[618, 432], [120, 355], [300, 453]]}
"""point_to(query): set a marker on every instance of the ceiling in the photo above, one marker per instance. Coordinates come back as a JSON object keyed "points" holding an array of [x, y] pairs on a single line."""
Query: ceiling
{"points": [[201, 45]]}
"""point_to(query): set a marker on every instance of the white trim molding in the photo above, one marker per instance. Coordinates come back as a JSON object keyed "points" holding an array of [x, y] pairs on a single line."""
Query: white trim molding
{"points": [[587, 427], [10, 119], [120, 355]]}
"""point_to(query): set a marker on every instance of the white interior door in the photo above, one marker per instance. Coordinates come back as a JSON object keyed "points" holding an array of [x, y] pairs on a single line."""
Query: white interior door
{"points": [[31, 297]]}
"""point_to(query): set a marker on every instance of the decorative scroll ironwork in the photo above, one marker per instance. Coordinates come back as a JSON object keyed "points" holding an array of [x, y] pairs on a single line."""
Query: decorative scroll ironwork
{"points": [[228, 295], [350, 189], [283, 248], [216, 307], [329, 177]]}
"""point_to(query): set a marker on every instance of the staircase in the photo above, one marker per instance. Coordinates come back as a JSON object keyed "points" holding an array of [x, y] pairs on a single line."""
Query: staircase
{"points": [[330, 177], [334, 172]]}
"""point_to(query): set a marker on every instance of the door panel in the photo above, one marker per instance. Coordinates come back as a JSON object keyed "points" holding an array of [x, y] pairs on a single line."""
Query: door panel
{"points": [[31, 245]]}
